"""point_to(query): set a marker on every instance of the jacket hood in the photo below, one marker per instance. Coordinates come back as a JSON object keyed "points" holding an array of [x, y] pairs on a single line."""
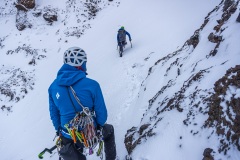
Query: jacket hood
{"points": [[68, 75]]}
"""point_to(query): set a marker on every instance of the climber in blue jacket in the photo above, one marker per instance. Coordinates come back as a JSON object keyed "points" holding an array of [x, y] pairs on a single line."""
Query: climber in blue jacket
{"points": [[121, 36], [73, 73]]}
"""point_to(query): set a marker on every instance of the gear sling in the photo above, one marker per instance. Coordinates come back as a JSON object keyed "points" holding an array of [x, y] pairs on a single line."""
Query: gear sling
{"points": [[81, 128]]}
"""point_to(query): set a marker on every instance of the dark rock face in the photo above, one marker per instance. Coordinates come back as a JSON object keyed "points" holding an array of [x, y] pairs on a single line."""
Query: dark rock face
{"points": [[30, 4], [228, 9], [207, 154], [21, 16], [50, 16], [21, 7], [224, 111], [194, 40], [131, 142], [227, 4], [214, 38], [226, 15]]}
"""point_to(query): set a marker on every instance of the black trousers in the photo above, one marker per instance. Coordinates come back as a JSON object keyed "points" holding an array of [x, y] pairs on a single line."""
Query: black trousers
{"points": [[109, 143], [123, 43]]}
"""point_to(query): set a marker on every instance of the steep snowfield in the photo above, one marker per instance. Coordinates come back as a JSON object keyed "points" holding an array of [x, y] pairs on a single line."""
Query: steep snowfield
{"points": [[179, 86], [157, 28]]}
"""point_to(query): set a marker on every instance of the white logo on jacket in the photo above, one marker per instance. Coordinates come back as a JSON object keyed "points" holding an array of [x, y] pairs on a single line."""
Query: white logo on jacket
{"points": [[57, 95]]}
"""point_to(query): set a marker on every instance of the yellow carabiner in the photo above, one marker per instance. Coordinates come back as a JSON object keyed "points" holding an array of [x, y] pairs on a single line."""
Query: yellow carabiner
{"points": [[80, 138]]}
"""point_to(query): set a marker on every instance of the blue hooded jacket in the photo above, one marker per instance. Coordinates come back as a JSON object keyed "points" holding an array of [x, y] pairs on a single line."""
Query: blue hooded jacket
{"points": [[87, 90]]}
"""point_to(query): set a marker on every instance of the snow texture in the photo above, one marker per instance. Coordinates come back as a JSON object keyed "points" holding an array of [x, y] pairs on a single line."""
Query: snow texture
{"points": [[171, 96]]}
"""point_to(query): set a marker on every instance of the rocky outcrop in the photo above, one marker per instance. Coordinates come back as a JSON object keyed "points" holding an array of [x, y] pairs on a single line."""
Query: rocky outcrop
{"points": [[207, 154], [21, 16], [224, 111], [227, 4], [131, 142], [50, 15], [29, 4], [214, 38], [228, 9]]}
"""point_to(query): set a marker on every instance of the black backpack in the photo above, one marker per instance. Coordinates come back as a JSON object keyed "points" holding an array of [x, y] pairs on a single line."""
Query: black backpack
{"points": [[121, 35]]}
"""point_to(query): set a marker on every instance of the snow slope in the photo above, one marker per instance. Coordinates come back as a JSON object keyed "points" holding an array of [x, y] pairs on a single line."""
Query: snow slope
{"points": [[157, 28], [177, 116]]}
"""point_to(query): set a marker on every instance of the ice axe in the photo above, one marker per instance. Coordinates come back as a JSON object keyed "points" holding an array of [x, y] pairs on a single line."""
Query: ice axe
{"points": [[40, 155]]}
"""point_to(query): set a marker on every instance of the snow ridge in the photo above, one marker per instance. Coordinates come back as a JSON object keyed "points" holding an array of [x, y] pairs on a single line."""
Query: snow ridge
{"points": [[188, 88]]}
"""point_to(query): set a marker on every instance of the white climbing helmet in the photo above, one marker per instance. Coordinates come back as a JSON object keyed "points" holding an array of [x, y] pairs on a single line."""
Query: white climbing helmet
{"points": [[74, 56]]}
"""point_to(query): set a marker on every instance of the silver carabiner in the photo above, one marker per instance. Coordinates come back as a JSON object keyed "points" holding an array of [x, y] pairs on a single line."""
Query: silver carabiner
{"points": [[86, 111]]}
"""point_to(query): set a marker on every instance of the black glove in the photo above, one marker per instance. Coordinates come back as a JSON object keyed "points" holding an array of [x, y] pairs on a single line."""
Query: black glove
{"points": [[57, 135], [99, 127], [58, 131], [99, 130]]}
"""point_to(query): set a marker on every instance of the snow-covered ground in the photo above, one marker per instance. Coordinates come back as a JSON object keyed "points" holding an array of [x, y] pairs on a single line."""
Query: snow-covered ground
{"points": [[157, 28]]}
